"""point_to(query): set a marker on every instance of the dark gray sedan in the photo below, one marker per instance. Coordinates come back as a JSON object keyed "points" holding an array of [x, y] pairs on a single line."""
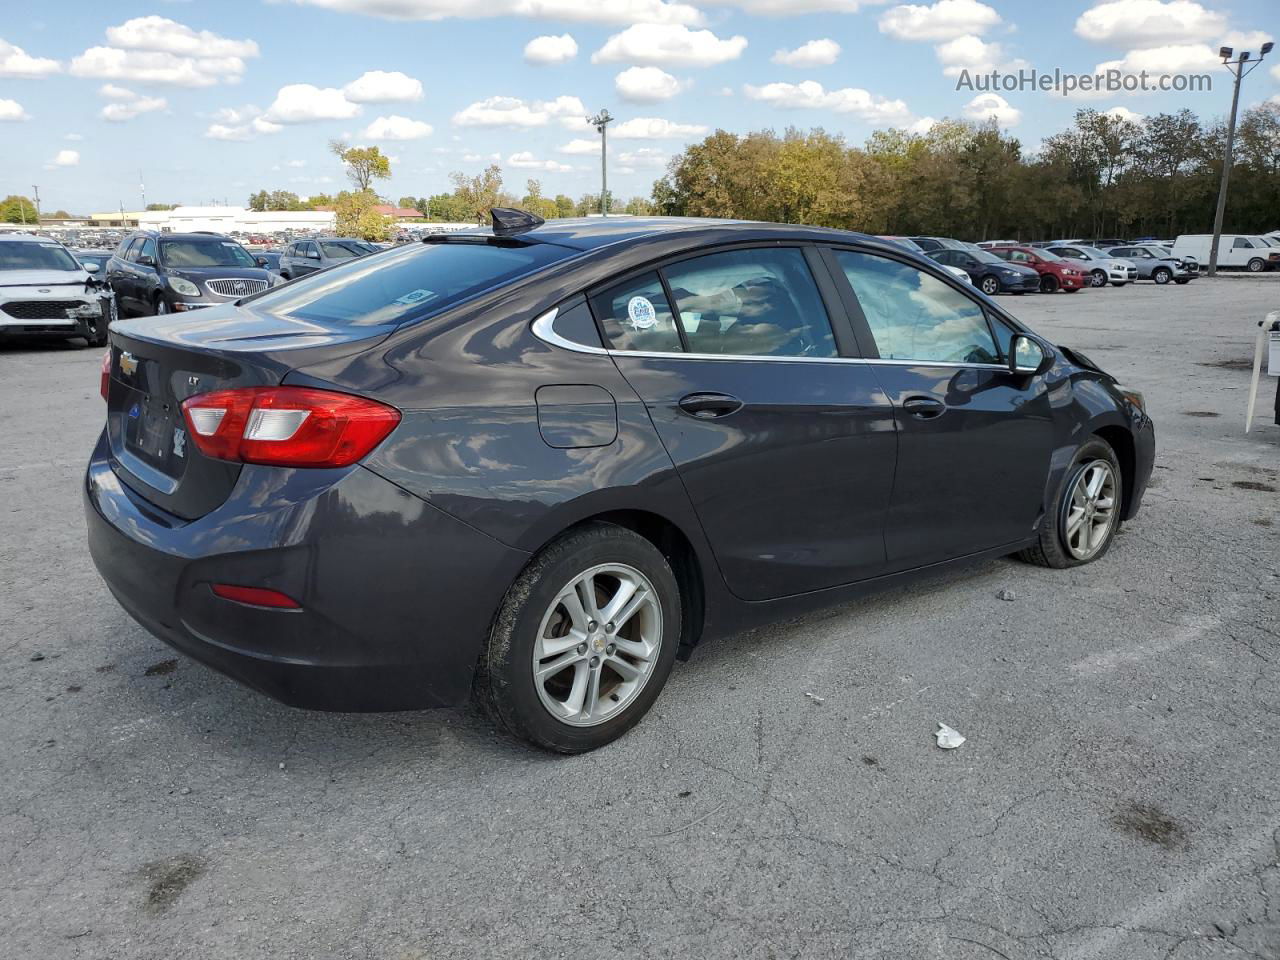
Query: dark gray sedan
{"points": [[538, 464]]}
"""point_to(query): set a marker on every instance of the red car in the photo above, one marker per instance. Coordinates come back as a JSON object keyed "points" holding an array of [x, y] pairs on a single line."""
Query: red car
{"points": [[1056, 273]]}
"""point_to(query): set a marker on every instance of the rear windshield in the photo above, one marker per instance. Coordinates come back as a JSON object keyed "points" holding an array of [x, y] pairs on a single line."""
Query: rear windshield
{"points": [[213, 252], [418, 280], [18, 255]]}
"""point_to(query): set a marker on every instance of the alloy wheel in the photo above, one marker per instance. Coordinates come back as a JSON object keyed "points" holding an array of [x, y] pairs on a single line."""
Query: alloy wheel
{"points": [[990, 286], [1091, 512], [1099, 278], [597, 644]]}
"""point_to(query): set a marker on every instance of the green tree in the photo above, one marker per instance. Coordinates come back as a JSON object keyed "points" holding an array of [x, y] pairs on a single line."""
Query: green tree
{"points": [[364, 164], [536, 203], [17, 209], [564, 205], [478, 194], [162, 206], [355, 216]]}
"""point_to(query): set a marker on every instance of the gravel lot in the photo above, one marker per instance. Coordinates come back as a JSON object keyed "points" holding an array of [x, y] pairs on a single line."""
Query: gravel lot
{"points": [[1117, 797]]}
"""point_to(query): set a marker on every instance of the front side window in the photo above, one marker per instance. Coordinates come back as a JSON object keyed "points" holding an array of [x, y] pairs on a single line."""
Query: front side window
{"points": [[213, 252], [914, 316], [148, 249], [636, 316], [1242, 243], [760, 303]]}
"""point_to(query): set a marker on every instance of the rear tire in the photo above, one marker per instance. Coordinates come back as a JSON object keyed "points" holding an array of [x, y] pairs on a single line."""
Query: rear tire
{"points": [[1256, 265], [608, 680], [1118, 283], [1099, 278], [1060, 531]]}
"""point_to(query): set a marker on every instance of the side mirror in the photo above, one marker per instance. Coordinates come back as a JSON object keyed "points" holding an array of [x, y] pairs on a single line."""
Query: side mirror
{"points": [[90, 268], [313, 255], [1027, 357], [146, 260], [261, 261]]}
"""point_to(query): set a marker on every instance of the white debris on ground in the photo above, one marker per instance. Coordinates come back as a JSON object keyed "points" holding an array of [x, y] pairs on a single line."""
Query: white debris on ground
{"points": [[948, 739]]}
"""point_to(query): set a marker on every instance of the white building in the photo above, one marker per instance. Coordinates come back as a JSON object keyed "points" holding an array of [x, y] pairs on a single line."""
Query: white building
{"points": [[235, 220]]}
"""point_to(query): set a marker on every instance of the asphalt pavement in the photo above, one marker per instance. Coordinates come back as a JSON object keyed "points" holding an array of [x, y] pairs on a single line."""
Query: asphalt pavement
{"points": [[1117, 797]]}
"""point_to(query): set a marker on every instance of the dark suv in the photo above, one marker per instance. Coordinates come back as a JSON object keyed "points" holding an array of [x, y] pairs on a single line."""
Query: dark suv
{"points": [[540, 463], [156, 273]]}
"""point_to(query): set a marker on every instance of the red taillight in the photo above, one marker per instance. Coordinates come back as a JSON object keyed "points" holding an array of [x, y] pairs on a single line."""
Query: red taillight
{"points": [[255, 596], [104, 383], [287, 426]]}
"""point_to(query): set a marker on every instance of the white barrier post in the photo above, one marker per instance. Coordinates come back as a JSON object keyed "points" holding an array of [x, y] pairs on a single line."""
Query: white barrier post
{"points": [[1268, 334]]}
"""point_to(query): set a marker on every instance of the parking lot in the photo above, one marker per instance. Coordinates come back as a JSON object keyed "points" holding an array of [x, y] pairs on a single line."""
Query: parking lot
{"points": [[1116, 798]]}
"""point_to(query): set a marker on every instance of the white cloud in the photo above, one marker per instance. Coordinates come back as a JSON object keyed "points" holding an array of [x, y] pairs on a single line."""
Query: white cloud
{"points": [[943, 20], [922, 126], [644, 157], [654, 128], [596, 11], [576, 123], [1174, 59], [527, 161], [169, 36], [397, 128], [1275, 72], [127, 104], [514, 112], [380, 86], [1124, 113], [776, 8], [646, 85], [12, 110], [154, 66], [296, 163], [112, 92], [551, 49], [815, 53], [656, 43], [72, 136], [64, 158], [159, 50], [975, 55], [303, 103], [1241, 40], [1148, 23], [810, 95], [240, 123], [16, 62], [581, 147], [986, 106]]}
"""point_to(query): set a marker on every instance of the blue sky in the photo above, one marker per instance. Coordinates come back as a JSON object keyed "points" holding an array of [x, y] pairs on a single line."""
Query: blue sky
{"points": [[212, 101]]}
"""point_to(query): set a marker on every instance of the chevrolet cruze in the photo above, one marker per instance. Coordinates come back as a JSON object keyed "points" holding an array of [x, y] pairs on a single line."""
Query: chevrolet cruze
{"points": [[536, 465]]}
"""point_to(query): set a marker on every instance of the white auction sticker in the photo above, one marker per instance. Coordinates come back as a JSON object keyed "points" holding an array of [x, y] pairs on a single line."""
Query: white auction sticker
{"points": [[641, 312]]}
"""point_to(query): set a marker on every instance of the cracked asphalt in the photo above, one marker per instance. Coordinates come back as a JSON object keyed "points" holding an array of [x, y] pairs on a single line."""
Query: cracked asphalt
{"points": [[1117, 798]]}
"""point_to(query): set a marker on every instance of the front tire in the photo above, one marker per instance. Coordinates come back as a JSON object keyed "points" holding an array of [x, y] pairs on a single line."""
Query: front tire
{"points": [[989, 285], [1162, 275], [583, 641], [1048, 284], [1085, 515]]}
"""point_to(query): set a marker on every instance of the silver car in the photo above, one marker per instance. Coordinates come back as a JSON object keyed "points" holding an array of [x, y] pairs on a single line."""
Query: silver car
{"points": [[1103, 269], [307, 256], [1157, 263]]}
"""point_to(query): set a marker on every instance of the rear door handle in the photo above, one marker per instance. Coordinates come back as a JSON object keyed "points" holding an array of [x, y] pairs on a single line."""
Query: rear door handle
{"points": [[708, 406], [924, 408]]}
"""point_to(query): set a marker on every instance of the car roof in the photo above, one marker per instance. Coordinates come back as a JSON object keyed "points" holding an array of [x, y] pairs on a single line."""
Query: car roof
{"points": [[591, 233], [29, 238]]}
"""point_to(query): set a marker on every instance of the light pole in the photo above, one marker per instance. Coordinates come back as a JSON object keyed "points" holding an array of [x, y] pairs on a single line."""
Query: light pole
{"points": [[601, 122], [1238, 73]]}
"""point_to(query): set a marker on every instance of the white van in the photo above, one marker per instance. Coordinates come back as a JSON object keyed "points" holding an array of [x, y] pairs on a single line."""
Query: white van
{"points": [[1234, 250]]}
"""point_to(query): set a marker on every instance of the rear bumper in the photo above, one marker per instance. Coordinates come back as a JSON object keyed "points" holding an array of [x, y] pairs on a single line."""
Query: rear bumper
{"points": [[397, 597]]}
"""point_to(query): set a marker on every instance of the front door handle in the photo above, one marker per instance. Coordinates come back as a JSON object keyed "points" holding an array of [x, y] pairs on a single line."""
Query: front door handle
{"points": [[708, 406], [924, 408]]}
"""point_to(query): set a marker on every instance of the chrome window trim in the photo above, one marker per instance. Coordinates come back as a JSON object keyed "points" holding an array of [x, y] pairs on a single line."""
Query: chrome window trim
{"points": [[544, 330]]}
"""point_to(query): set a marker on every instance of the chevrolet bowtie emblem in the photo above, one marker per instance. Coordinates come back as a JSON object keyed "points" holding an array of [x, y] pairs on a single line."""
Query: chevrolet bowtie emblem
{"points": [[128, 364]]}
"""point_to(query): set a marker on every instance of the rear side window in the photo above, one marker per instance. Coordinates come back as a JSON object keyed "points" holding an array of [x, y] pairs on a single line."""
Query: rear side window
{"points": [[760, 303], [413, 282], [915, 316], [636, 316]]}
